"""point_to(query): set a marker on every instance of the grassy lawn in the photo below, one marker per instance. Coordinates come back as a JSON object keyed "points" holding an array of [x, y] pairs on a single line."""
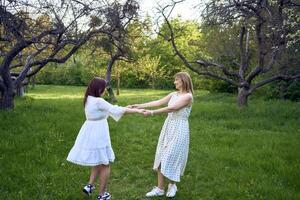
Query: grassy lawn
{"points": [[234, 154]]}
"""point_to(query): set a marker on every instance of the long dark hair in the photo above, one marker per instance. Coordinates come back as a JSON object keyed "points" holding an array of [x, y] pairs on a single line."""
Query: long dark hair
{"points": [[96, 88]]}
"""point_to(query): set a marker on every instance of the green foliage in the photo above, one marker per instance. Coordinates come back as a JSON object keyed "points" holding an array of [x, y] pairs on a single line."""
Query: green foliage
{"points": [[187, 38], [285, 90], [250, 154], [69, 74], [153, 62], [219, 44], [289, 64], [221, 86], [77, 71]]}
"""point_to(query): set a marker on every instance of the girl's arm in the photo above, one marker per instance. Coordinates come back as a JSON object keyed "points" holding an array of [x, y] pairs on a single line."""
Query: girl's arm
{"points": [[116, 112], [182, 102], [104, 105], [159, 102]]}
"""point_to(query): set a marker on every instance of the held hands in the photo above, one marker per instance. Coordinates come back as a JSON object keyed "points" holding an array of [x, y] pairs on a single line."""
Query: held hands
{"points": [[143, 112], [136, 108], [147, 113], [140, 111]]}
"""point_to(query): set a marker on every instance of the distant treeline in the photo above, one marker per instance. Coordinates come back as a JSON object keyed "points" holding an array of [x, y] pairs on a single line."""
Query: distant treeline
{"points": [[153, 62]]}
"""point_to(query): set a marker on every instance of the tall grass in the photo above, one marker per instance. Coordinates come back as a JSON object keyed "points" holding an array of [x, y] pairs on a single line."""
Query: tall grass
{"points": [[234, 154]]}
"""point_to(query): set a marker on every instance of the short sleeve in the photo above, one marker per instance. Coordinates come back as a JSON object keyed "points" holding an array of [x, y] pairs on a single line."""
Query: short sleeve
{"points": [[116, 112]]}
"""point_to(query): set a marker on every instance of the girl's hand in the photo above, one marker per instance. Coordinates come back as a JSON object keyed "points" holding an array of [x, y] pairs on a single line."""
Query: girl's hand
{"points": [[140, 111]]}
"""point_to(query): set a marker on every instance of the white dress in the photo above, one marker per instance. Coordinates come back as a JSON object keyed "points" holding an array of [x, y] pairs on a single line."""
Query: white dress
{"points": [[93, 146], [173, 144]]}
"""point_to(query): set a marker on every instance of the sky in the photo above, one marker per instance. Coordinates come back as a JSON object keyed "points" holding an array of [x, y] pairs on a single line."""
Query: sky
{"points": [[185, 9]]}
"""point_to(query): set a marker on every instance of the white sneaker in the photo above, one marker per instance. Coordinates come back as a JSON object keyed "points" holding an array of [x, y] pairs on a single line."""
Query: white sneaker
{"points": [[172, 189], [155, 192]]}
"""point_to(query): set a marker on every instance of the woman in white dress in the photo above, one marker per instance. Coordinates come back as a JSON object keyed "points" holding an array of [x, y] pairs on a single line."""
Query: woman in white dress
{"points": [[173, 144], [93, 146]]}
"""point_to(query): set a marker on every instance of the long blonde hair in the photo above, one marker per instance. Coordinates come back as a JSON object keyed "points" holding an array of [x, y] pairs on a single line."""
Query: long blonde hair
{"points": [[187, 85]]}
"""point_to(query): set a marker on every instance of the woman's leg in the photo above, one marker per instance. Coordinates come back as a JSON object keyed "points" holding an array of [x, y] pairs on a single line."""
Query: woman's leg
{"points": [[160, 179], [104, 176], [159, 190], [94, 173]]}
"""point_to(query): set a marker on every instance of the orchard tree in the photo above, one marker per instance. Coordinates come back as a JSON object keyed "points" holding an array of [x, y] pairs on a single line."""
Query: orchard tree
{"points": [[116, 43], [35, 33], [268, 26]]}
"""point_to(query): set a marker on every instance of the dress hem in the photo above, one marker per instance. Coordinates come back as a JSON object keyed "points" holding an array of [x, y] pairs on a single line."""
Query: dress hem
{"points": [[91, 164], [178, 180], [156, 169]]}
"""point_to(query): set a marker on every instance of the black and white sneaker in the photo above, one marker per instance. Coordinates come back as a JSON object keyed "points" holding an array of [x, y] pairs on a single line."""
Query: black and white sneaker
{"points": [[88, 189], [106, 196]]}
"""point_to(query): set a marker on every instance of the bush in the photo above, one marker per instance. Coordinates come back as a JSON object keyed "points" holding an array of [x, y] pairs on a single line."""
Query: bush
{"points": [[284, 90], [70, 73]]}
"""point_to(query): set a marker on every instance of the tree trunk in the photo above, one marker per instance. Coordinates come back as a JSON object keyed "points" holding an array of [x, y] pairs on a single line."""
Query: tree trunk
{"points": [[110, 64], [242, 99], [20, 91], [112, 97], [282, 89], [153, 83], [118, 82], [7, 100], [7, 92], [32, 82]]}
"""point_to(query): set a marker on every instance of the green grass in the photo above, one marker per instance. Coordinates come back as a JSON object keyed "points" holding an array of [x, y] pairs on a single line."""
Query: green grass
{"points": [[234, 154]]}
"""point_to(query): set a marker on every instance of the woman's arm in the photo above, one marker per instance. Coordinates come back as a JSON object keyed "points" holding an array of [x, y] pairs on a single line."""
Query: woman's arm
{"points": [[159, 102], [133, 110], [182, 102]]}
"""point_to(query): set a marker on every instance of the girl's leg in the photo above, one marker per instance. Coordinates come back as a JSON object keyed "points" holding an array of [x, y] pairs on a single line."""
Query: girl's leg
{"points": [[104, 176], [94, 173]]}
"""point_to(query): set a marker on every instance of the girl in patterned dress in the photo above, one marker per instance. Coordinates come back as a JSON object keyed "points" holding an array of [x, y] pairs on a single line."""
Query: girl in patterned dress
{"points": [[173, 144], [93, 146]]}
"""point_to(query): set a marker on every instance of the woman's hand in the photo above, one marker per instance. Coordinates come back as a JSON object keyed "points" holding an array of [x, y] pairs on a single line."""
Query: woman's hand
{"points": [[134, 110], [138, 106], [147, 113]]}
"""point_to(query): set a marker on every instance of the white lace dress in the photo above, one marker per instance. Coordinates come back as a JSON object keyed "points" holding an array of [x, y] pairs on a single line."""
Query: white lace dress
{"points": [[93, 146], [173, 144]]}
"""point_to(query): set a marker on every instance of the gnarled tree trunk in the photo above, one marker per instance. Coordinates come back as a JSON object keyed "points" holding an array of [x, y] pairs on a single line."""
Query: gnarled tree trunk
{"points": [[242, 98], [7, 101], [7, 93], [118, 82], [114, 58]]}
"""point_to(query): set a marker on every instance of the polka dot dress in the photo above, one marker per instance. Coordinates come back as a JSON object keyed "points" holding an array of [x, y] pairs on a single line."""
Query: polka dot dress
{"points": [[173, 144]]}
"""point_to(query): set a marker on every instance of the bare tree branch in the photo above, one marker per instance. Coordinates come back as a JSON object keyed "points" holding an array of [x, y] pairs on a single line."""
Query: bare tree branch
{"points": [[274, 78], [200, 62], [27, 65]]}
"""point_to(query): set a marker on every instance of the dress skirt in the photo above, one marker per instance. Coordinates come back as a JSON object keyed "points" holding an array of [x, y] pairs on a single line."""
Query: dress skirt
{"points": [[172, 148], [92, 146]]}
